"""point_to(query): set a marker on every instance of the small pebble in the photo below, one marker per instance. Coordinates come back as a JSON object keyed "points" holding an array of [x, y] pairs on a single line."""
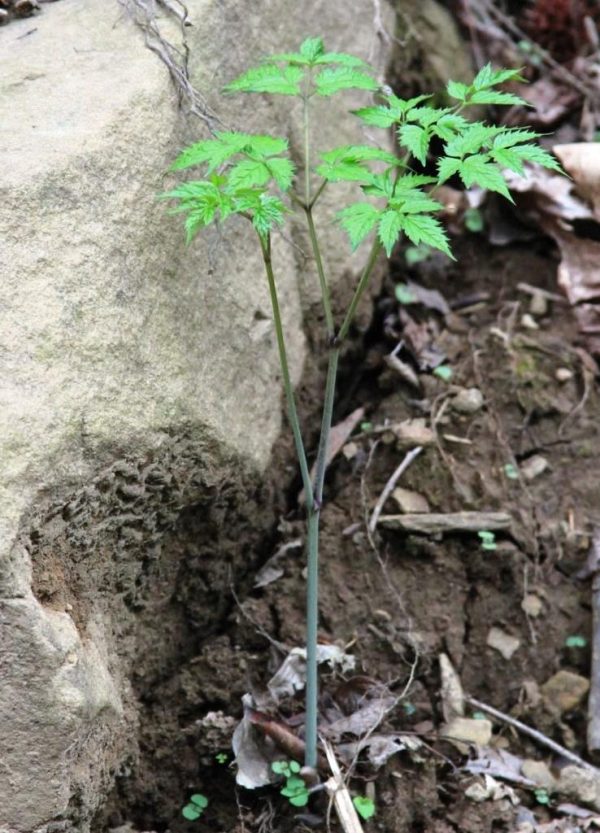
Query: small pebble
{"points": [[468, 401], [502, 642], [563, 374], [409, 501], [529, 322], [538, 305], [534, 466], [564, 691], [532, 605]]}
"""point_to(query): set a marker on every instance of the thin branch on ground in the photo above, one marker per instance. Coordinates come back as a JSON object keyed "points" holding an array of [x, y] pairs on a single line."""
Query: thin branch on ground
{"points": [[391, 485], [542, 739]]}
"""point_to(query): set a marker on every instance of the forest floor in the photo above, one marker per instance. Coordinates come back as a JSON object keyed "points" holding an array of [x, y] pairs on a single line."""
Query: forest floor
{"points": [[508, 611]]}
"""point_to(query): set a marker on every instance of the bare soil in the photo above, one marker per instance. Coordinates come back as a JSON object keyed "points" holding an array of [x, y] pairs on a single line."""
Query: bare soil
{"points": [[399, 600]]}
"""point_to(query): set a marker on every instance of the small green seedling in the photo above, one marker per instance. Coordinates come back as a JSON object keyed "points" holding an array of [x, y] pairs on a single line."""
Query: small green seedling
{"points": [[576, 641], [196, 806], [542, 796], [404, 294], [479, 716], [443, 372], [416, 254], [365, 807], [409, 708], [511, 471], [221, 757], [295, 789], [488, 539], [474, 220]]}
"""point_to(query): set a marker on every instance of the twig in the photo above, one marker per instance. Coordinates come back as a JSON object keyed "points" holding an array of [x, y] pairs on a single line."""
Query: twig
{"points": [[390, 485], [338, 791], [593, 727], [543, 740]]}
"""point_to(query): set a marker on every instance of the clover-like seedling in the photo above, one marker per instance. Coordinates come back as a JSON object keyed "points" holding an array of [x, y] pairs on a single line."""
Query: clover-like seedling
{"points": [[295, 789], [365, 807], [196, 806], [221, 757], [488, 539]]}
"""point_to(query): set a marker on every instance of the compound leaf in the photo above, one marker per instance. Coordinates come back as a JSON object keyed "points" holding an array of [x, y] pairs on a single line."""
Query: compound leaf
{"points": [[509, 138], [268, 212]]}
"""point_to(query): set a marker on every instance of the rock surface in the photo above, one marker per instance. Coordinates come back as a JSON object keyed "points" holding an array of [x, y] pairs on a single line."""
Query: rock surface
{"points": [[139, 378]]}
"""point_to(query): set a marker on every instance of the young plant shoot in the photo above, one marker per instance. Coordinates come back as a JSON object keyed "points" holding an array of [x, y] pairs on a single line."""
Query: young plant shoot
{"points": [[253, 176]]}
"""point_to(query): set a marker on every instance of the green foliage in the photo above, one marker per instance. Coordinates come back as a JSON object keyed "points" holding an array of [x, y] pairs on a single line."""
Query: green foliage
{"points": [[542, 796], [196, 806], [443, 372], [221, 757], [310, 71], [474, 220], [576, 641], [511, 471], [365, 807], [295, 789], [488, 539]]}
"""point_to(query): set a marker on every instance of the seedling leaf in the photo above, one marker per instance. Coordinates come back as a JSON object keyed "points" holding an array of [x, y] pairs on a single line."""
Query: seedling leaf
{"points": [[365, 807]]}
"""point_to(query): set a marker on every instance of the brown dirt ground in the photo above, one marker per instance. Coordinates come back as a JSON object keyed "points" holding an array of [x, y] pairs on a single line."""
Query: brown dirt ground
{"points": [[410, 597]]}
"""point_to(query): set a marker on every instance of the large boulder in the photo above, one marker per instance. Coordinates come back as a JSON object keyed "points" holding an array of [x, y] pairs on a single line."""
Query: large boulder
{"points": [[138, 378]]}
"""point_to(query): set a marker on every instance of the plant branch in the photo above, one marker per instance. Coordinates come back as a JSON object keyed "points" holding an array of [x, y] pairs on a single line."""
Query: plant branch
{"points": [[358, 292], [322, 279], [287, 382]]}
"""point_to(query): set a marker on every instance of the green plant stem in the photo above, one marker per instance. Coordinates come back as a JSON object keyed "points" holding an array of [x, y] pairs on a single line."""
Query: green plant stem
{"points": [[306, 121], [358, 292], [322, 279], [312, 626], [287, 383]]}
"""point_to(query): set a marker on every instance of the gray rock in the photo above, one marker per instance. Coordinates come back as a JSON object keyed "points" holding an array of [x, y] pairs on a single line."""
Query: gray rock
{"points": [[138, 376]]}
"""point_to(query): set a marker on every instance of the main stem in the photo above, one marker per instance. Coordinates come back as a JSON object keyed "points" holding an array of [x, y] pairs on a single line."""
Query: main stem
{"points": [[265, 246]]}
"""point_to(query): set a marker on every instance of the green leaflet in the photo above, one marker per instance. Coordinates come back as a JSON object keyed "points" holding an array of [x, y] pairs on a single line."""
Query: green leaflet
{"points": [[268, 78], [416, 140], [419, 228], [215, 152], [332, 80], [358, 220], [477, 170], [389, 228]]}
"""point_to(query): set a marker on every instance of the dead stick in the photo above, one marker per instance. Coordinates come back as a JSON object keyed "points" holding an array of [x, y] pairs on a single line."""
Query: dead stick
{"points": [[338, 791], [389, 486], [533, 733], [592, 568]]}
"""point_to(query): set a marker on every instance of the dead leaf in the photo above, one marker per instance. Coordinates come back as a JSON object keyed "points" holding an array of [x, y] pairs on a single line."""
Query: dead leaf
{"points": [[380, 748], [500, 764], [503, 642], [291, 675], [581, 160], [491, 790], [453, 698], [363, 720], [271, 570], [430, 298]]}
